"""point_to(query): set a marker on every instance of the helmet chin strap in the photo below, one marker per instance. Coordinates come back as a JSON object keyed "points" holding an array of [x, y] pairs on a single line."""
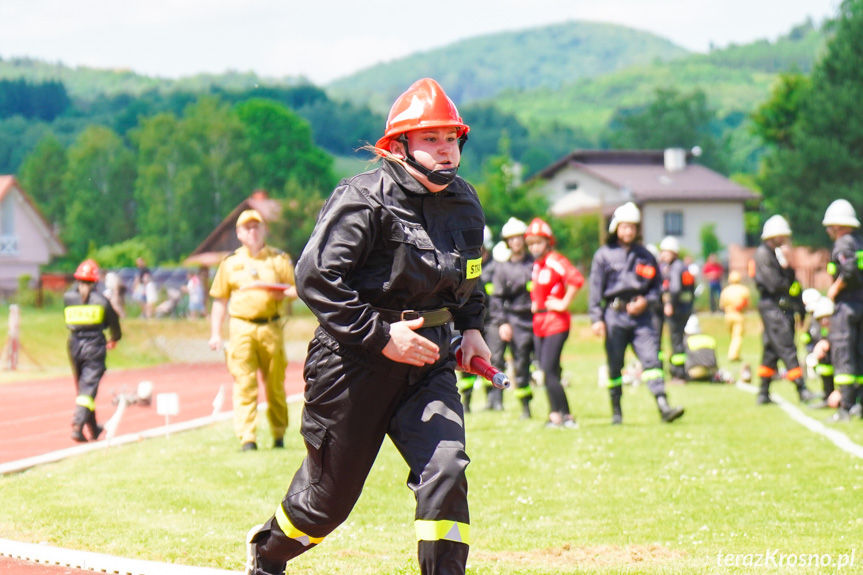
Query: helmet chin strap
{"points": [[436, 177]]}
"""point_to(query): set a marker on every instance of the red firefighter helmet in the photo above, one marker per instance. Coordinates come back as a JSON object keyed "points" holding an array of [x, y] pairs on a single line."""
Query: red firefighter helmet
{"points": [[88, 271], [423, 105], [538, 227]]}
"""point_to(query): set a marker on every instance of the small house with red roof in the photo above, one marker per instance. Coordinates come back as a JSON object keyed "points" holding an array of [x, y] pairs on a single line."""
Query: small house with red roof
{"points": [[223, 240], [26, 239], [677, 197]]}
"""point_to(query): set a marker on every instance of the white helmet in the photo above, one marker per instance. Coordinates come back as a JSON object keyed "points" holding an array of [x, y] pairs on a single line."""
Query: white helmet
{"points": [[501, 252], [653, 250], [775, 226], [628, 213], [669, 244], [487, 238], [824, 307], [693, 326], [513, 227], [841, 213], [810, 298]]}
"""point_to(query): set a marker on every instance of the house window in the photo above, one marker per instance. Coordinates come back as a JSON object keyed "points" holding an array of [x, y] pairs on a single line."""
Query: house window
{"points": [[8, 239], [6, 212], [571, 186], [673, 223]]}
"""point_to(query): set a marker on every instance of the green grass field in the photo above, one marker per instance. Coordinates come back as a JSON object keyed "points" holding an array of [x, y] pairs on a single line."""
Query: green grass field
{"points": [[729, 481]]}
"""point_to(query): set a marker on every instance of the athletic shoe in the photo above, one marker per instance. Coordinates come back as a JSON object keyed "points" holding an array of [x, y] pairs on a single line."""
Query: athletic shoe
{"points": [[250, 446], [78, 436]]}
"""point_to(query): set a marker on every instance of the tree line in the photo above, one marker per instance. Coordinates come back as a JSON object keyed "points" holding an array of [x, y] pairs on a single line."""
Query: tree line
{"points": [[161, 171]]}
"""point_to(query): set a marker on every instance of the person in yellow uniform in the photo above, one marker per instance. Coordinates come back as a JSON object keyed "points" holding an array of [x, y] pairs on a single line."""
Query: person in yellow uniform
{"points": [[250, 286], [733, 300]]}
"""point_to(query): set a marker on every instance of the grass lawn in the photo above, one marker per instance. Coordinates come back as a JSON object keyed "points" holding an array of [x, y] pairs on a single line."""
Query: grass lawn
{"points": [[730, 478]]}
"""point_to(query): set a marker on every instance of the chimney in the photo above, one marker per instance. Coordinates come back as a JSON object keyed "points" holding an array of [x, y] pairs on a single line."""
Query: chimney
{"points": [[675, 159]]}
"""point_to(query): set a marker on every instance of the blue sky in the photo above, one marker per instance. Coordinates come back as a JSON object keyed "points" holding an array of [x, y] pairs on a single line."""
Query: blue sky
{"points": [[324, 39]]}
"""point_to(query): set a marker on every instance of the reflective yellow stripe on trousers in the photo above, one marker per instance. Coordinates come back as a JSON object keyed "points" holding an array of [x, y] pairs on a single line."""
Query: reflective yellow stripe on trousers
{"points": [[442, 529], [86, 401], [292, 532]]}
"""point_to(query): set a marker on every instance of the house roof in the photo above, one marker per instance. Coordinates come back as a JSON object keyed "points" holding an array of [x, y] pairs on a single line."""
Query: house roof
{"points": [[644, 175], [223, 240], [8, 184]]}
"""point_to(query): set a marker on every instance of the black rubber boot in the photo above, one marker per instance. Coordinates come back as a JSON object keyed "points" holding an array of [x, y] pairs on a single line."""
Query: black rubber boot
{"points": [[465, 399], [668, 412], [95, 428], [77, 433], [495, 398], [764, 392], [848, 395], [803, 392], [616, 412], [525, 408]]}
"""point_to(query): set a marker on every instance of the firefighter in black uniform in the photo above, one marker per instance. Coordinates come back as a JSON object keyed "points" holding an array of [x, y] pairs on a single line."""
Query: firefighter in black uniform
{"points": [[88, 314], [510, 310], [623, 279], [846, 327], [394, 258], [780, 301], [467, 381], [678, 293]]}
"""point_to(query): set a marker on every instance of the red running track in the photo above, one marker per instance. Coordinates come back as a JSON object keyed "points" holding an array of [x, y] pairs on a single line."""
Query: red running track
{"points": [[36, 416]]}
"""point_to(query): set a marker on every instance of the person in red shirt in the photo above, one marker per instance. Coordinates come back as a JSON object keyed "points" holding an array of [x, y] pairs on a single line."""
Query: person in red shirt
{"points": [[713, 271], [555, 282]]}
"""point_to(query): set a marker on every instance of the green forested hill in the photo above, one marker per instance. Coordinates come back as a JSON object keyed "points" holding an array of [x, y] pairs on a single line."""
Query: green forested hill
{"points": [[87, 83], [735, 79], [480, 68]]}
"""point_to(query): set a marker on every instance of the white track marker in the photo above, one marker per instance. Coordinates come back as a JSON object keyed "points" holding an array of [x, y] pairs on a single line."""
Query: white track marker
{"points": [[112, 424], [219, 400]]}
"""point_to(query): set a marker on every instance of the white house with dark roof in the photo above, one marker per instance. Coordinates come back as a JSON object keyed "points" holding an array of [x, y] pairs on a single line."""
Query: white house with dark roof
{"points": [[676, 197], [26, 239]]}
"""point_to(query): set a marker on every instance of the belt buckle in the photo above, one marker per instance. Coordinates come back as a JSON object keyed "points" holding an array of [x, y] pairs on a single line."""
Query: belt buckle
{"points": [[410, 315]]}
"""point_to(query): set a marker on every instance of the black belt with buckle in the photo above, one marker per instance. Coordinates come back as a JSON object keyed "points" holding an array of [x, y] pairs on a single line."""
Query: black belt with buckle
{"points": [[619, 303], [433, 318], [259, 320]]}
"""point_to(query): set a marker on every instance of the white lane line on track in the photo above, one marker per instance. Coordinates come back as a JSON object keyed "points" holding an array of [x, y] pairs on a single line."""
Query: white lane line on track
{"points": [[98, 562], [838, 438]]}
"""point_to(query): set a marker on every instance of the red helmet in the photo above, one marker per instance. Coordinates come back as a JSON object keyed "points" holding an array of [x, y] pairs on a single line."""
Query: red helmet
{"points": [[88, 271], [423, 105], [538, 227]]}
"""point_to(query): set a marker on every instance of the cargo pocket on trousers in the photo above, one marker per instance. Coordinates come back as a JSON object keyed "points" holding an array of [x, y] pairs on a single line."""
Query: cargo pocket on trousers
{"points": [[315, 435]]}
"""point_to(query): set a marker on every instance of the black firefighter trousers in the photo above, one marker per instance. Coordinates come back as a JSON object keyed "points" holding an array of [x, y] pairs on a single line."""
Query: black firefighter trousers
{"points": [[87, 353], [351, 404]]}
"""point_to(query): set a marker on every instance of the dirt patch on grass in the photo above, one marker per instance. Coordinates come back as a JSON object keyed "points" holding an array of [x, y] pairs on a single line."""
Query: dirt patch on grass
{"points": [[586, 556]]}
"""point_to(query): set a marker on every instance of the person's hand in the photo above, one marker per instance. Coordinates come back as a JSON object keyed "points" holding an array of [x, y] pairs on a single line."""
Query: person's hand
{"points": [[637, 305], [833, 291], [598, 328], [505, 332], [291, 292], [834, 399], [668, 310], [406, 346], [555, 304], [821, 348], [215, 342], [473, 345], [785, 259], [111, 344]]}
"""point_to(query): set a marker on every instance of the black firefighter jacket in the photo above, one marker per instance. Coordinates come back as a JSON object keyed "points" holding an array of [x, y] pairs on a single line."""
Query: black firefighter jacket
{"points": [[382, 240]]}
